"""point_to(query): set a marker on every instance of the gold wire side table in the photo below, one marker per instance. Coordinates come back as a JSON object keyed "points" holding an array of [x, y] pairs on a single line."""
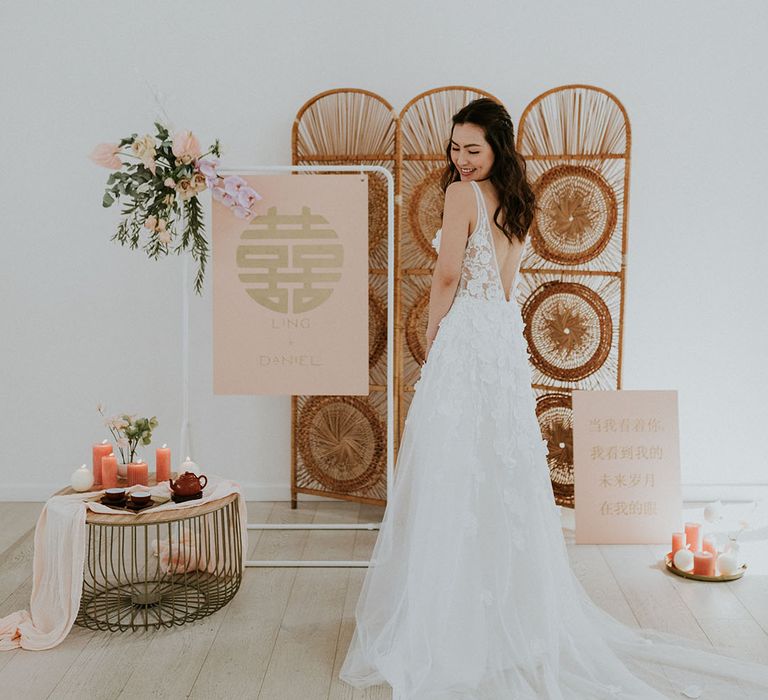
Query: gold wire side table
{"points": [[163, 569]]}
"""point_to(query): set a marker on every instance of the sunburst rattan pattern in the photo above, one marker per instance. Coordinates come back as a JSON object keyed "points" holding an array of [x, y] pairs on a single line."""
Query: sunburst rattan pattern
{"points": [[576, 216], [569, 330], [342, 443]]}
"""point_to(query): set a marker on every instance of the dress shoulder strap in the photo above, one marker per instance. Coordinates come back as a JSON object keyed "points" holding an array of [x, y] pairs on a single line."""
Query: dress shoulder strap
{"points": [[480, 202]]}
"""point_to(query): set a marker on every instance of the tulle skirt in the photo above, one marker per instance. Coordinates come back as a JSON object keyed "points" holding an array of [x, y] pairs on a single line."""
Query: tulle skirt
{"points": [[470, 594]]}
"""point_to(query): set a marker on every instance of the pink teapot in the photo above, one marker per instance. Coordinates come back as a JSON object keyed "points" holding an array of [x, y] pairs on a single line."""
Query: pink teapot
{"points": [[188, 484]]}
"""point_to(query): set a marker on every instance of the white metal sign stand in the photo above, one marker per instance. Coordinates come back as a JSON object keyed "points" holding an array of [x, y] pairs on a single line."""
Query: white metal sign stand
{"points": [[185, 421]]}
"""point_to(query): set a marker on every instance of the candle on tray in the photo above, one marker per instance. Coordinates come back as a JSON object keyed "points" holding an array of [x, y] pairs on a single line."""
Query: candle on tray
{"points": [[138, 473], [692, 531], [678, 541], [708, 545], [99, 451], [162, 464], [109, 471], [703, 563]]}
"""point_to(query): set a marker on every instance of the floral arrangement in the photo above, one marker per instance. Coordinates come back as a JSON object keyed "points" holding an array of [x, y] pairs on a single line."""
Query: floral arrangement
{"points": [[159, 179], [128, 431]]}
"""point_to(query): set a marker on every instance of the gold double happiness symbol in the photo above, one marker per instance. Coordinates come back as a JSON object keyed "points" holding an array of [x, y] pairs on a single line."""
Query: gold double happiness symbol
{"points": [[291, 257]]}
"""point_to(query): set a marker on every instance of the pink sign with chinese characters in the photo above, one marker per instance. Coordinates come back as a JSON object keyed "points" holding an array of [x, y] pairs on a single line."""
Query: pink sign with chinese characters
{"points": [[290, 288], [626, 463]]}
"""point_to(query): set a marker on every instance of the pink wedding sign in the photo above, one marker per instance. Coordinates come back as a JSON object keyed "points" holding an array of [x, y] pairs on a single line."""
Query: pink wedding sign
{"points": [[626, 462], [290, 288]]}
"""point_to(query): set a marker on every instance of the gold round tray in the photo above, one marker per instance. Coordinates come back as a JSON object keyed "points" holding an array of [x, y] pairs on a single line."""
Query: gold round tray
{"points": [[698, 577]]}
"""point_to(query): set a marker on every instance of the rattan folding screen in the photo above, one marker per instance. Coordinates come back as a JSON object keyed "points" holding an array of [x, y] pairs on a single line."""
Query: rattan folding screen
{"points": [[576, 141]]}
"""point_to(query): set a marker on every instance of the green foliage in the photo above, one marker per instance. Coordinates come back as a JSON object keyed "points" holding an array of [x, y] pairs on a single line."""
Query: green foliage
{"points": [[145, 198], [129, 431]]}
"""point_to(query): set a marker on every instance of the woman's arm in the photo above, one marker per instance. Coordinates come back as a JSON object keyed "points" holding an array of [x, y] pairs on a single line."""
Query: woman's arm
{"points": [[459, 198]]}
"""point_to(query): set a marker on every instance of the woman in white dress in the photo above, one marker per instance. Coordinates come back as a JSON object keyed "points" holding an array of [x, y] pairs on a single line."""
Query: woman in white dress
{"points": [[470, 595]]}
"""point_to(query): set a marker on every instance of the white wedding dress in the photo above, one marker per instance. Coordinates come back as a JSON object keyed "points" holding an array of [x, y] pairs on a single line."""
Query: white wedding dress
{"points": [[470, 594]]}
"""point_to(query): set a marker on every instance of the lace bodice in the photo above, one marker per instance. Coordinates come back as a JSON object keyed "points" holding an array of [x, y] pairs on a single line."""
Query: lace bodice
{"points": [[480, 272]]}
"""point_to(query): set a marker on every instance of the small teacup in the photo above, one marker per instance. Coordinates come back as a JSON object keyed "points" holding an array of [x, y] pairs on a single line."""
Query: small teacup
{"points": [[114, 494], [141, 498]]}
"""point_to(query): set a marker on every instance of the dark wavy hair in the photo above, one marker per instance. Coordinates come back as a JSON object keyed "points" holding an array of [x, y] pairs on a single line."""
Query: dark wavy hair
{"points": [[508, 173]]}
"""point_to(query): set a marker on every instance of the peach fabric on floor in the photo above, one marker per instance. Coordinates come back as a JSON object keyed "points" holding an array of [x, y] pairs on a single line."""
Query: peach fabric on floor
{"points": [[59, 557]]}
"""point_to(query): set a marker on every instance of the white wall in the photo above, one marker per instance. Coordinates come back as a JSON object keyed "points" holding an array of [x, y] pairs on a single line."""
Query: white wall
{"points": [[84, 320]]}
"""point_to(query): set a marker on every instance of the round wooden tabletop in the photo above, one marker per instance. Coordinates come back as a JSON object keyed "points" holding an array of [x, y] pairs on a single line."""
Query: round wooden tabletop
{"points": [[151, 517]]}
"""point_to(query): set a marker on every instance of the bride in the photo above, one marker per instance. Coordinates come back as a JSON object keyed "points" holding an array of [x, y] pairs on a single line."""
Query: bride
{"points": [[470, 595]]}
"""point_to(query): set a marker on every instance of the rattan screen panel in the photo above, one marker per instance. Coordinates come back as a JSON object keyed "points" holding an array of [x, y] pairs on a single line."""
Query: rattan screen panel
{"points": [[576, 141], [339, 443]]}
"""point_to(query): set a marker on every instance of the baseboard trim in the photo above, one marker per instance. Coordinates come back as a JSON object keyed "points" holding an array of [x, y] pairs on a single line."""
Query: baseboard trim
{"points": [[255, 491]]}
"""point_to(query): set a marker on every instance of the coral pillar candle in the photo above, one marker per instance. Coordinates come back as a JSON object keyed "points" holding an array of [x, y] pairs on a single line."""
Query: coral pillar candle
{"points": [[708, 545], [109, 471], [99, 452], [692, 531], [162, 464], [678, 541], [138, 473], [703, 563]]}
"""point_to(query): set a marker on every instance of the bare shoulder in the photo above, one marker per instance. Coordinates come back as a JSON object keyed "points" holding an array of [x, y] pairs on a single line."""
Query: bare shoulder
{"points": [[459, 194], [458, 188]]}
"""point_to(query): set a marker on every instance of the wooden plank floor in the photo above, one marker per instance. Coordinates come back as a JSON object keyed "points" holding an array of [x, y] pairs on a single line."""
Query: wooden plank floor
{"points": [[285, 634]]}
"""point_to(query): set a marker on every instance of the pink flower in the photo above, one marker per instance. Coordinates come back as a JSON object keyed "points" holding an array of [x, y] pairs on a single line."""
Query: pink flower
{"points": [[221, 195], [234, 183], [150, 223], [164, 236], [105, 155], [169, 182], [242, 212], [199, 182], [208, 167], [247, 197], [185, 146], [185, 189]]}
